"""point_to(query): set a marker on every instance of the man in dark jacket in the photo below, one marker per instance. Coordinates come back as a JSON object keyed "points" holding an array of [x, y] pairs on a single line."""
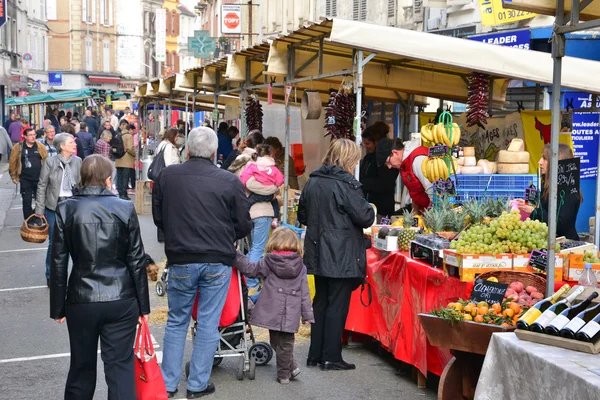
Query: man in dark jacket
{"points": [[91, 123], [87, 141], [202, 210]]}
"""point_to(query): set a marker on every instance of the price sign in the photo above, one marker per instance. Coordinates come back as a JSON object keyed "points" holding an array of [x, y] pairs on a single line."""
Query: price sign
{"points": [[444, 187], [438, 151], [490, 292], [569, 175], [531, 195], [538, 260], [385, 221], [457, 151]]}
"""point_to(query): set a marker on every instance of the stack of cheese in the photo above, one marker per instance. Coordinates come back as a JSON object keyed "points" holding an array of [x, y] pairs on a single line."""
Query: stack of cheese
{"points": [[514, 160], [468, 163]]}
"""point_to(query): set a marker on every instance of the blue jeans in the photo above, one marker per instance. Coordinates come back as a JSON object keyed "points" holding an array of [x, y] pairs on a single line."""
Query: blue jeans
{"points": [[211, 282], [51, 219], [260, 234]]}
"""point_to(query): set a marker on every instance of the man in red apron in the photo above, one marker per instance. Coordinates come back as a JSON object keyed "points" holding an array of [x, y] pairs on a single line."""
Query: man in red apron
{"points": [[408, 158]]}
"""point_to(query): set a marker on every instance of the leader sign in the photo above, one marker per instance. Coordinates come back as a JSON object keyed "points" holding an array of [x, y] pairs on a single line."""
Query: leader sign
{"points": [[518, 39], [231, 18]]}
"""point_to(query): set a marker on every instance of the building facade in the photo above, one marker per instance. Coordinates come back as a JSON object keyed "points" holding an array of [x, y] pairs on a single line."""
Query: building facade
{"points": [[188, 23], [149, 7], [83, 45], [171, 65]]}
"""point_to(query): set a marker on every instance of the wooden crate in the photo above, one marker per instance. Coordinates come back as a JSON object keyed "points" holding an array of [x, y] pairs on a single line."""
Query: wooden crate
{"points": [[472, 265], [558, 341], [143, 197]]}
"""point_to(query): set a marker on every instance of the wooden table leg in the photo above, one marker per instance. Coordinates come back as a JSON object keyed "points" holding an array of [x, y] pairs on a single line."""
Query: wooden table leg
{"points": [[450, 387], [421, 380]]}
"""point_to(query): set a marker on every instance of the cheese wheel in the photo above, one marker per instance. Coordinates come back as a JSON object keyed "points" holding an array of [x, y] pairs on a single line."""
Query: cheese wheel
{"points": [[470, 161], [469, 151], [516, 145], [494, 167], [513, 168], [471, 170], [461, 161], [485, 164], [513, 157]]}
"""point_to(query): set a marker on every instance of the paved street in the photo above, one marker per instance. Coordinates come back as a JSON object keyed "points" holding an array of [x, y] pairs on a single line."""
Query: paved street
{"points": [[34, 350]]}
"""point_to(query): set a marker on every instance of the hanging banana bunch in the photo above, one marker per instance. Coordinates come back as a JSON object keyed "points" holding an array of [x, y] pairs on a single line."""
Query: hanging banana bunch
{"points": [[435, 168]]}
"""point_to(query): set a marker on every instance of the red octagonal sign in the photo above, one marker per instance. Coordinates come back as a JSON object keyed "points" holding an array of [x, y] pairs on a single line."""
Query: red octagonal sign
{"points": [[231, 20]]}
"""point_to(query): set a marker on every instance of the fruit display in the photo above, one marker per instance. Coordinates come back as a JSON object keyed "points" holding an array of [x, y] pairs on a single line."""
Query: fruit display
{"points": [[505, 234], [444, 218], [436, 168], [591, 257], [478, 100], [406, 235], [506, 313], [440, 134], [253, 114], [523, 296]]}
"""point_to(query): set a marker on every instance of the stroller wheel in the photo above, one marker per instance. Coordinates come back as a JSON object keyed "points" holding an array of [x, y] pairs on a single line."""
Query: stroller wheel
{"points": [[251, 374], [239, 374], [160, 288], [217, 361], [261, 352], [187, 369]]}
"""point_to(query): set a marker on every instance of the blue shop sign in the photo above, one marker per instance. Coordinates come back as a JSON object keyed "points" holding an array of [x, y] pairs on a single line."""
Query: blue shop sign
{"points": [[586, 130], [55, 78], [519, 39]]}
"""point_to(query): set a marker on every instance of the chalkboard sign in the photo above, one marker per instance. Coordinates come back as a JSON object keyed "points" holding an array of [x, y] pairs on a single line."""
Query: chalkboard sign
{"points": [[531, 195], [488, 291], [438, 151], [538, 260], [442, 187], [568, 175]]}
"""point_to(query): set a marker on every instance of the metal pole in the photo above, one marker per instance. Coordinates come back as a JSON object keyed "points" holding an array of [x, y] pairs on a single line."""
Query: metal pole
{"points": [[187, 120], [243, 100], [286, 156], [558, 50], [597, 214], [358, 89], [216, 106]]}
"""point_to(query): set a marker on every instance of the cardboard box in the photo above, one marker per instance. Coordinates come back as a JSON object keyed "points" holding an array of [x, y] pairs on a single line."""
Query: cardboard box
{"points": [[471, 265], [521, 264], [390, 243], [574, 266]]}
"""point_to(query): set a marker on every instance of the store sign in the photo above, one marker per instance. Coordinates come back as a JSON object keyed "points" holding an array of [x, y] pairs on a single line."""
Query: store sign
{"points": [[585, 132], [488, 291], [202, 45], [461, 32], [27, 61], [492, 13], [55, 79], [231, 18], [160, 25], [518, 39], [2, 12]]}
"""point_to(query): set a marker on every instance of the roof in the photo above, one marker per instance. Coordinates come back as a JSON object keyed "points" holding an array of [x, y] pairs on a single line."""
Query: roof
{"points": [[183, 10], [56, 97]]}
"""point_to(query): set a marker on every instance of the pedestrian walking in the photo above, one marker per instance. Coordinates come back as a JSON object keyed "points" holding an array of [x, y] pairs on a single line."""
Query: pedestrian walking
{"points": [[126, 162], [70, 129], [54, 119], [91, 123], [335, 212], [107, 291], [87, 141], [48, 140], [58, 179], [112, 119], [15, 129], [284, 298], [102, 146], [169, 147], [25, 167], [5, 143], [202, 211], [279, 157], [9, 121]]}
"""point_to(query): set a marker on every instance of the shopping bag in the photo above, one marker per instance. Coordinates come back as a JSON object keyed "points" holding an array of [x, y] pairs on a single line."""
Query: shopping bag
{"points": [[157, 165], [148, 377]]}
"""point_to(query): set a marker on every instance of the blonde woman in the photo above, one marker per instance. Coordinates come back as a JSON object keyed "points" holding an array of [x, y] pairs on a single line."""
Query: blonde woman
{"points": [[334, 209]]}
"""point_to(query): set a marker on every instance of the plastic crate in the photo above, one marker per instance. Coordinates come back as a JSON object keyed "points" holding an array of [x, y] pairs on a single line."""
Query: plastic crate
{"points": [[493, 186]]}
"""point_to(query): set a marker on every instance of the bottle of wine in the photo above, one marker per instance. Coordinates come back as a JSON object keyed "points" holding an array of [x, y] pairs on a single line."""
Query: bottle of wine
{"points": [[579, 322], [591, 331], [567, 315], [537, 309], [542, 322]]}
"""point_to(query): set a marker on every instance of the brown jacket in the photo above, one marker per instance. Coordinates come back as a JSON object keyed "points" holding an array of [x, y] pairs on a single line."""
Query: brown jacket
{"points": [[128, 160], [14, 163]]}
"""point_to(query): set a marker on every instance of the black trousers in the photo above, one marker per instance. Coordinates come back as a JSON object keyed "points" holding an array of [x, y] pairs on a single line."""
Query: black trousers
{"points": [[123, 175], [132, 178], [283, 344], [28, 192], [115, 324], [330, 307]]}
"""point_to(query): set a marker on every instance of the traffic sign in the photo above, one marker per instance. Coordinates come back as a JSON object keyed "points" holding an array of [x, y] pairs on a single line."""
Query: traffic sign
{"points": [[202, 45]]}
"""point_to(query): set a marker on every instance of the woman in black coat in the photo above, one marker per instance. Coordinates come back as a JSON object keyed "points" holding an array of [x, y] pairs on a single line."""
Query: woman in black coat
{"points": [[107, 291], [335, 212]]}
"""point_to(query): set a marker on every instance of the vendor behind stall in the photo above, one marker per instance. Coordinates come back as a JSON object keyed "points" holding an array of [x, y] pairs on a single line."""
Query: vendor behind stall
{"points": [[408, 158], [568, 206], [378, 182]]}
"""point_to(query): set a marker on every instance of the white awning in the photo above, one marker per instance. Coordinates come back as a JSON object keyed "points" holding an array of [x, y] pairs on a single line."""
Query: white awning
{"points": [[450, 55]]}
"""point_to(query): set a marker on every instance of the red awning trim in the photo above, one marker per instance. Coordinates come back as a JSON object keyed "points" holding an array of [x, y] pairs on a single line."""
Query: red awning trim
{"points": [[104, 79]]}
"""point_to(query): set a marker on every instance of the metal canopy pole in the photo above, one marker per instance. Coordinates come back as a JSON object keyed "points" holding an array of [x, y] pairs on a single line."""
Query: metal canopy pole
{"points": [[216, 107], [359, 64], [286, 158]]}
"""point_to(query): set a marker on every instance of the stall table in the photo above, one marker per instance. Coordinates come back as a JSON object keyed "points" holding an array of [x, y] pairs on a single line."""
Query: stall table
{"points": [[402, 288], [516, 369]]}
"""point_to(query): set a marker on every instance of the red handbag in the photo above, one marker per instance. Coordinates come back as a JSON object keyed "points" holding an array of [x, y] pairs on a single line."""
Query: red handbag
{"points": [[149, 382]]}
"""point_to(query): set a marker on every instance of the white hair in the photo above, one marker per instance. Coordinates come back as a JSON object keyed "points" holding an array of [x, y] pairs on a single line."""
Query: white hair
{"points": [[61, 139], [202, 142]]}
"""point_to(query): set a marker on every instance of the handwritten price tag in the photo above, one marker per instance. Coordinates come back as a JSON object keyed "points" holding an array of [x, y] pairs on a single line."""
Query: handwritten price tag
{"points": [[569, 175]]}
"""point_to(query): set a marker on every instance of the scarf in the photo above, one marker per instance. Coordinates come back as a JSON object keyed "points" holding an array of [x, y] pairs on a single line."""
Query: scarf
{"points": [[68, 181]]}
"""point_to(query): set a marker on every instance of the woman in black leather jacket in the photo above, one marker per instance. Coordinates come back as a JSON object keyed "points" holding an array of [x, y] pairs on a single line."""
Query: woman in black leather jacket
{"points": [[107, 289], [335, 212]]}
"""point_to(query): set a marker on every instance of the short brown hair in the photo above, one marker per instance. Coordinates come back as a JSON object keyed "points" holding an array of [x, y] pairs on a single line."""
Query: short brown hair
{"points": [[284, 239], [95, 169], [344, 153]]}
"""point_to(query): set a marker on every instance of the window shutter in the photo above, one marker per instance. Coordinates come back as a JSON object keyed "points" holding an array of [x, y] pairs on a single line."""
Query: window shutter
{"points": [[328, 8], [93, 13], [334, 8], [110, 12], [177, 24], [363, 10], [103, 12], [391, 8], [168, 24], [418, 10], [177, 61], [84, 10], [355, 10]]}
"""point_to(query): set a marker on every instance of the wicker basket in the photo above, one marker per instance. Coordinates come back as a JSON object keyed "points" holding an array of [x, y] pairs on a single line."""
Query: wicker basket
{"points": [[34, 234], [509, 277]]}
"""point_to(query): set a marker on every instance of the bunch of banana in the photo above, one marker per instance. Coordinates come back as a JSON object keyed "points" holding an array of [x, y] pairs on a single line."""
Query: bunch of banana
{"points": [[437, 134], [435, 168]]}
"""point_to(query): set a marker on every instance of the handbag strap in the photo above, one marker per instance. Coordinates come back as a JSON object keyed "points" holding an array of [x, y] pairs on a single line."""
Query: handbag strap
{"points": [[369, 293], [143, 342]]}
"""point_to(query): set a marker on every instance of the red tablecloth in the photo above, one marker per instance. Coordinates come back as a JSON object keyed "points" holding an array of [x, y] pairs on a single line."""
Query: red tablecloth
{"points": [[402, 288]]}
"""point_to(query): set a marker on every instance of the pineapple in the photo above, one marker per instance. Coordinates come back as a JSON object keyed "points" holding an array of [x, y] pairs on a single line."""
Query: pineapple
{"points": [[476, 211], [456, 220], [435, 219], [406, 235]]}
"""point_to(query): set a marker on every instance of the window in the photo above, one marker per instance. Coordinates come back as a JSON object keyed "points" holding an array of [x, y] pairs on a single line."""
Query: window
{"points": [[173, 22], [42, 57], [176, 62], [391, 8], [168, 24], [42, 9], [88, 11], [106, 55], [359, 10], [331, 8], [176, 18], [88, 54], [106, 12]]}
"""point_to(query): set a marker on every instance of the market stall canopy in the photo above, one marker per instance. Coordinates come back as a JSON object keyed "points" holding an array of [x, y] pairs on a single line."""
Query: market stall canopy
{"points": [[56, 97], [446, 56], [548, 7]]}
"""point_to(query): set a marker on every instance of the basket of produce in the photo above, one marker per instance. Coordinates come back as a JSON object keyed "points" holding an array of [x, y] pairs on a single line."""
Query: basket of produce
{"points": [[525, 288], [32, 233]]}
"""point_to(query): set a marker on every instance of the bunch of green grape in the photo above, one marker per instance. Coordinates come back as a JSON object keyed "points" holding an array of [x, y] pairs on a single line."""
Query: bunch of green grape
{"points": [[505, 234], [590, 257]]}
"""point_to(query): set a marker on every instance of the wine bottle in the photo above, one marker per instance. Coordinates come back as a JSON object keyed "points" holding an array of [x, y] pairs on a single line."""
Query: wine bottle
{"points": [[590, 332], [567, 315], [542, 322], [579, 322], [537, 309]]}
